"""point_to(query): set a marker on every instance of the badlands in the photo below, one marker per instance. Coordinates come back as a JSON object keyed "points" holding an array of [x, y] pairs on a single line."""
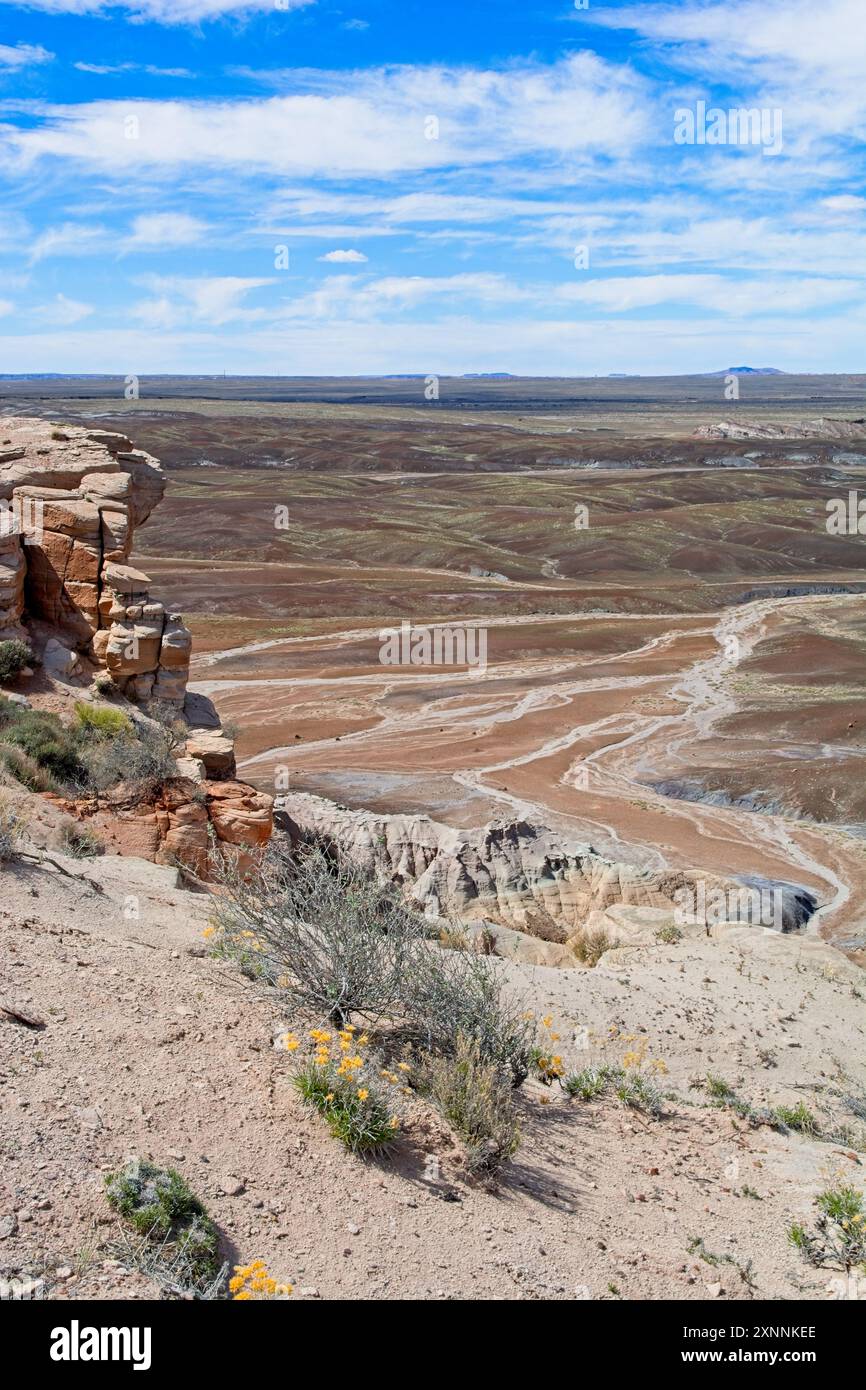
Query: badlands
{"points": [[672, 704]]}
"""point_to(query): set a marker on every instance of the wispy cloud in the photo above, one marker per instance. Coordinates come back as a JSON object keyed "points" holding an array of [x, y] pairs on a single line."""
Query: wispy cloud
{"points": [[162, 11], [23, 55]]}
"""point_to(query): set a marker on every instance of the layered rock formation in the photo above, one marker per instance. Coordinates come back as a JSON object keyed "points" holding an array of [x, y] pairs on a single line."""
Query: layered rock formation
{"points": [[71, 499], [514, 875]]}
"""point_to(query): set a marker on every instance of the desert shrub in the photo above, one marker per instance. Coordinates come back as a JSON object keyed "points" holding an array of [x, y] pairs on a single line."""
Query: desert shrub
{"points": [[797, 1117], [448, 993], [629, 1085], [340, 944], [44, 738], [140, 761], [14, 655], [12, 826], [27, 771], [588, 1084], [590, 946], [638, 1092], [338, 1076], [79, 840], [170, 718], [103, 683], [101, 721], [160, 1206], [669, 935], [838, 1237], [477, 1100], [336, 941]]}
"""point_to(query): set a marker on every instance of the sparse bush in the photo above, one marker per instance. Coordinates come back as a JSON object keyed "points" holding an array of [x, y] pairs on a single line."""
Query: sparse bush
{"points": [[590, 946], [344, 1083], [43, 738], [334, 940], [80, 841], [103, 683], [12, 826], [101, 721], [139, 761], [797, 1117], [160, 1206], [27, 770], [590, 1083], [476, 1099], [630, 1087], [448, 993], [170, 718], [839, 1235], [669, 935], [639, 1093], [14, 656]]}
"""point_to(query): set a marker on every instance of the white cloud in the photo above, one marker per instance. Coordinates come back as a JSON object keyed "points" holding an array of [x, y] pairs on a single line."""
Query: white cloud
{"points": [[161, 231], [844, 203], [338, 256], [69, 239], [161, 11], [342, 297], [23, 55], [64, 312], [371, 122], [210, 299], [807, 58], [109, 70]]}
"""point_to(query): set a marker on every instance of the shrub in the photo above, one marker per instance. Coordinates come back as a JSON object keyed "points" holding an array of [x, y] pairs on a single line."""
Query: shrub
{"points": [[160, 1206], [43, 737], [590, 1083], [448, 993], [12, 826], [639, 1093], [797, 1117], [139, 760], [103, 683], [839, 1234], [669, 935], [337, 942], [476, 1099], [101, 721], [345, 1086], [590, 946], [79, 840], [27, 771], [14, 655], [629, 1086]]}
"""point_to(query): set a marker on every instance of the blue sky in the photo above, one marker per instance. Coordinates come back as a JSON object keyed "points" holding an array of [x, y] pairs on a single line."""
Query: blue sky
{"points": [[275, 187]]}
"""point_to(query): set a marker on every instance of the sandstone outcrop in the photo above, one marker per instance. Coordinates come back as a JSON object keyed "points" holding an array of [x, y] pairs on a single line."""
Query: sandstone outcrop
{"points": [[71, 499]]}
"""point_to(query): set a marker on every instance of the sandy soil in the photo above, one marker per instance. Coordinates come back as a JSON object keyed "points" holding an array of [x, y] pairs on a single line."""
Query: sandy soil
{"points": [[153, 1048]]}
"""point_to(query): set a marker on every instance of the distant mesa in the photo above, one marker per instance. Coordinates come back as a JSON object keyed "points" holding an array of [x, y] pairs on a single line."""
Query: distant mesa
{"points": [[747, 371]]}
